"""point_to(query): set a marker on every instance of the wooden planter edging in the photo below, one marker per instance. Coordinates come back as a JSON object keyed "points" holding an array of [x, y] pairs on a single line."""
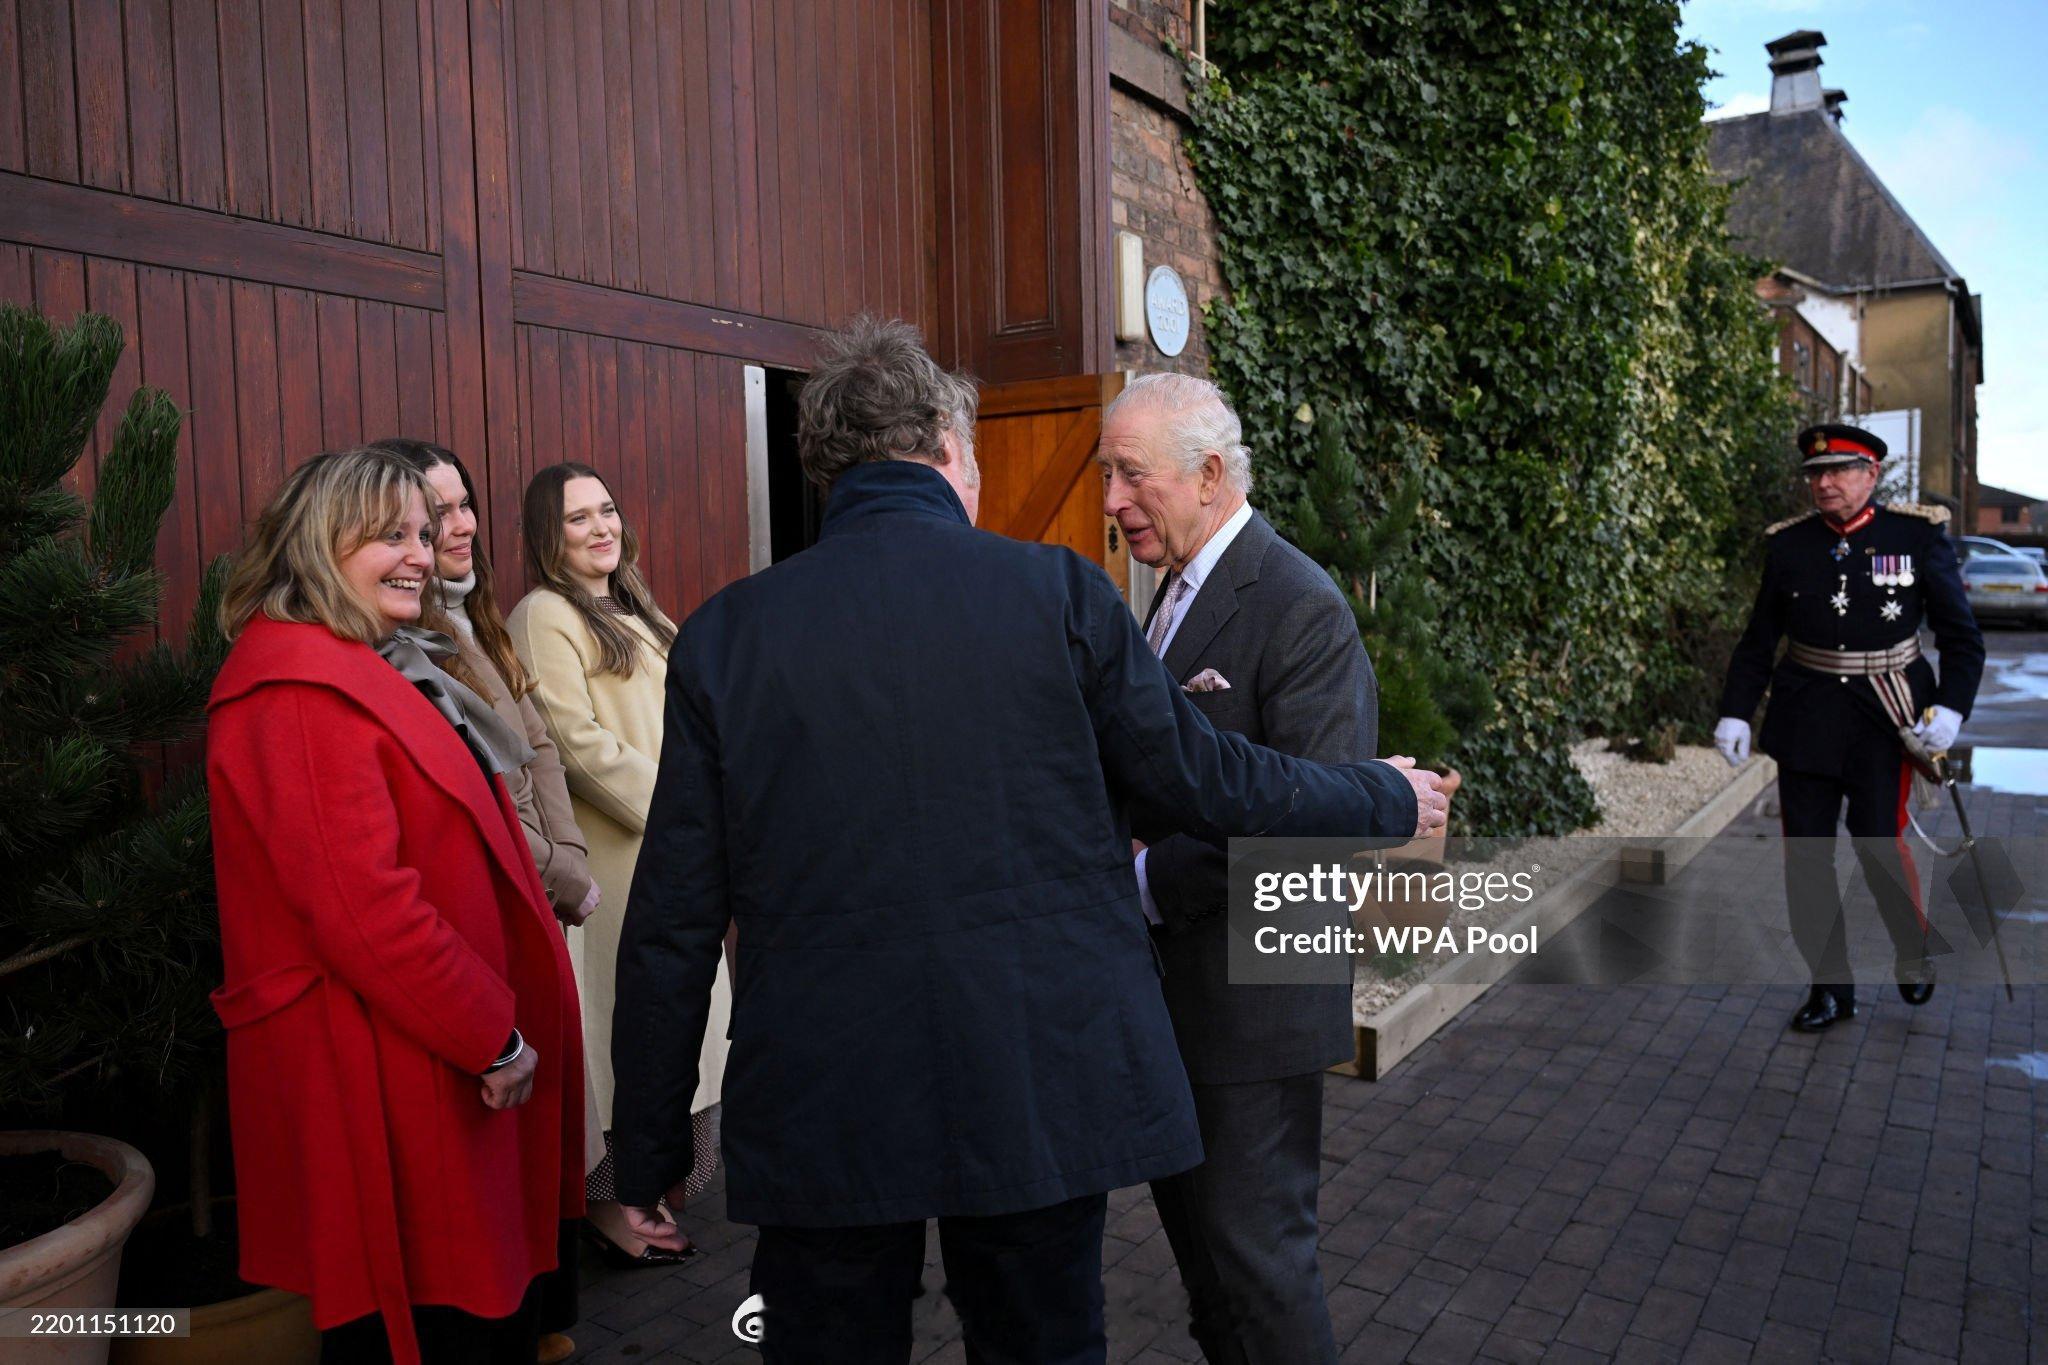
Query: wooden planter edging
{"points": [[1408, 1022]]}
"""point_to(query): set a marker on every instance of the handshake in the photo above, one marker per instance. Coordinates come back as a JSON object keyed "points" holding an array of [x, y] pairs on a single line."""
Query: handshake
{"points": [[1433, 792]]}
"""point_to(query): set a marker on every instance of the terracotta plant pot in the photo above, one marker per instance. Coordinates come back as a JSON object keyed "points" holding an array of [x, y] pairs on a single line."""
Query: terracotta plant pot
{"points": [[74, 1268], [269, 1325]]}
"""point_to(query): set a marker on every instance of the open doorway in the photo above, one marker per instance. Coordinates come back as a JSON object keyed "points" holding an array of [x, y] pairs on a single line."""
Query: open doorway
{"points": [[785, 509]]}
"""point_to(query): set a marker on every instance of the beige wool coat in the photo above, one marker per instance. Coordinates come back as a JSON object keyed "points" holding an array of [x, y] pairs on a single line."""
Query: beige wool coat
{"points": [[607, 730]]}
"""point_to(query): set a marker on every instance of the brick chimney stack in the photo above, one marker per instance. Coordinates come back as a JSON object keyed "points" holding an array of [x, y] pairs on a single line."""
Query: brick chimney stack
{"points": [[1795, 71]]}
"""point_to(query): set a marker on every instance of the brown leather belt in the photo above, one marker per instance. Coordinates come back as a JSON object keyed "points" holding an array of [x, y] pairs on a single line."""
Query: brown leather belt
{"points": [[1855, 662]]}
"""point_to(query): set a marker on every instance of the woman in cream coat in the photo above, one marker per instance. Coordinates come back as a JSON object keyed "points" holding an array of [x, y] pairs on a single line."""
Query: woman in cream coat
{"points": [[596, 647]]}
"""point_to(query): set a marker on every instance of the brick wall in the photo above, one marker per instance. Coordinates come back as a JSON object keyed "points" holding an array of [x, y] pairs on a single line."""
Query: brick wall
{"points": [[1152, 187]]}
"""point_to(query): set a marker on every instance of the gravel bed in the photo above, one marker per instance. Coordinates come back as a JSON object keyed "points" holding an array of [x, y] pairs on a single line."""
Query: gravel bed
{"points": [[1635, 799]]}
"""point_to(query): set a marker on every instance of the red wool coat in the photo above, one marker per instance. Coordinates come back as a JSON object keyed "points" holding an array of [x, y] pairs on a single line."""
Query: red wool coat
{"points": [[384, 930]]}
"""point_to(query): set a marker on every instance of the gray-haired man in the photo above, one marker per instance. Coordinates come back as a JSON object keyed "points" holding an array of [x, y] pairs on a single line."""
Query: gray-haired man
{"points": [[1238, 600]]}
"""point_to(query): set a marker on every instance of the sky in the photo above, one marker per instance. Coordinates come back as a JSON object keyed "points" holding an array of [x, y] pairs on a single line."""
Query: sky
{"points": [[1948, 102]]}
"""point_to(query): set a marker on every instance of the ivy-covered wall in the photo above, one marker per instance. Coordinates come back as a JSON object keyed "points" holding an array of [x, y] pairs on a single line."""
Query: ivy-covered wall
{"points": [[1482, 240]]}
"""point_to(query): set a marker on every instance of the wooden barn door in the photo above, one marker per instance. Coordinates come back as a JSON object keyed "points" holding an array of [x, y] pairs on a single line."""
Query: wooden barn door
{"points": [[1036, 443]]}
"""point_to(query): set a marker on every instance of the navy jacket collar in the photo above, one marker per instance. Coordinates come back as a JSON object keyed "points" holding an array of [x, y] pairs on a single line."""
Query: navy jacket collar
{"points": [[884, 488]]}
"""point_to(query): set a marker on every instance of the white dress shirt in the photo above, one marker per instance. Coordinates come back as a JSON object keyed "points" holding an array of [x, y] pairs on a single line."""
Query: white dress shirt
{"points": [[1194, 575]]}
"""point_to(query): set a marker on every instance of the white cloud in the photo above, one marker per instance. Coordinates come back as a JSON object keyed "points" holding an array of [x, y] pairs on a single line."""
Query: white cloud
{"points": [[1735, 106]]}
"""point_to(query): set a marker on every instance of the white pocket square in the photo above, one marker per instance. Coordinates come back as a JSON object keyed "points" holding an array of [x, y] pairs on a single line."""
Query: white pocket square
{"points": [[1208, 680]]}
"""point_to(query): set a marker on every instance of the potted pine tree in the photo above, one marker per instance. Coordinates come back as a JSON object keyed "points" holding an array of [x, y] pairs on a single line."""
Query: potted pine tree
{"points": [[109, 941]]}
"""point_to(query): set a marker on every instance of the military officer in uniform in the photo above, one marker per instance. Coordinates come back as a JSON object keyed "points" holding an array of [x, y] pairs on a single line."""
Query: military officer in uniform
{"points": [[1848, 585]]}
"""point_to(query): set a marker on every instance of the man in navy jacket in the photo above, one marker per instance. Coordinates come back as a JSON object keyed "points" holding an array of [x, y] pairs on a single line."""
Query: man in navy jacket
{"points": [[899, 763]]}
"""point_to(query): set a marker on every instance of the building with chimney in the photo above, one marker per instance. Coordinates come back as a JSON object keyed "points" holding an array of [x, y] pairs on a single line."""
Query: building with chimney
{"points": [[1874, 321]]}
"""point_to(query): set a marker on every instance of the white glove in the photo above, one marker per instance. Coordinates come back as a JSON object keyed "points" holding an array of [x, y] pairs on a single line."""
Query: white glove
{"points": [[1937, 729], [1731, 737]]}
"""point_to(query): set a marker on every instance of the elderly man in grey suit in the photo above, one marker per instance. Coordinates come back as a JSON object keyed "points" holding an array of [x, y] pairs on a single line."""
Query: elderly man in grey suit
{"points": [[1238, 602]]}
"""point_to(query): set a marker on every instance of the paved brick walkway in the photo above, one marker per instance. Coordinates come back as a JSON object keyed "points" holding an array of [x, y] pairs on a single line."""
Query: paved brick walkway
{"points": [[1584, 1174]]}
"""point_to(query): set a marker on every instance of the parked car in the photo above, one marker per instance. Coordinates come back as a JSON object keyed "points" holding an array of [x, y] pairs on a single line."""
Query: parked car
{"points": [[2007, 587], [1968, 547], [2035, 553]]}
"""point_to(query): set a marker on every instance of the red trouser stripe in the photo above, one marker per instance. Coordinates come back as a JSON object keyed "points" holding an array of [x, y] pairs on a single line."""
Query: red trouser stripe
{"points": [[1912, 873]]}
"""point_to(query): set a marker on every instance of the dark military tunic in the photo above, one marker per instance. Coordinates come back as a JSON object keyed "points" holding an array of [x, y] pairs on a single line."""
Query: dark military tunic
{"points": [[1817, 594]]}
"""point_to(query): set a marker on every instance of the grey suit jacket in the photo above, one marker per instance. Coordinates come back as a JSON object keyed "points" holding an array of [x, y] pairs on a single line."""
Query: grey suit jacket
{"points": [[1268, 619]]}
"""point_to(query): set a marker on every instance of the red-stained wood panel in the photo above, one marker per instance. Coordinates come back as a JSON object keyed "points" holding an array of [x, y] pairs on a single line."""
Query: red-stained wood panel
{"points": [[102, 94], [13, 151], [49, 100], [413, 342], [284, 113], [657, 250], [260, 396], [110, 289], [791, 90], [369, 167], [735, 213], [695, 248], [327, 117], [615, 61], [301, 429], [557, 53], [377, 361], [341, 389], [243, 127], [212, 418], [531, 182], [585, 58], [767, 249], [409, 171], [160, 337], [195, 50]]}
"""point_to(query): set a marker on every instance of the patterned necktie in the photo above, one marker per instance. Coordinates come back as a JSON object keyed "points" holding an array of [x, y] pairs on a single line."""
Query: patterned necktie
{"points": [[1162, 621]]}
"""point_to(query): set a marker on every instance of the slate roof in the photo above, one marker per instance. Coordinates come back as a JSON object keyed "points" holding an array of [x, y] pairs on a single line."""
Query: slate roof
{"points": [[1989, 496], [1806, 199]]}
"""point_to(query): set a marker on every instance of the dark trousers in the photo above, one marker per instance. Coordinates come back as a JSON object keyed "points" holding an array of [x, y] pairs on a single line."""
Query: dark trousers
{"points": [[1028, 1288], [1243, 1224], [1875, 783]]}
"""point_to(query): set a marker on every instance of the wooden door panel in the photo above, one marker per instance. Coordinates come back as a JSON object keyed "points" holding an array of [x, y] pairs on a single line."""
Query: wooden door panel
{"points": [[1036, 443]]}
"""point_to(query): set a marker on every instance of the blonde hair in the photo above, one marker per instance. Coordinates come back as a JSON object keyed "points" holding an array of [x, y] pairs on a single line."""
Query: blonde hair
{"points": [[291, 568]]}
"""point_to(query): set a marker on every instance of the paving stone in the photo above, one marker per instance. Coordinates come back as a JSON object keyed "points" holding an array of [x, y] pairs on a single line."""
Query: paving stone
{"points": [[1581, 1174]]}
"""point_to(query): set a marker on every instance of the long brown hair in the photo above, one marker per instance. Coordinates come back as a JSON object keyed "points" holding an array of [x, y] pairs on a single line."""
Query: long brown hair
{"points": [[486, 617], [290, 569], [547, 566]]}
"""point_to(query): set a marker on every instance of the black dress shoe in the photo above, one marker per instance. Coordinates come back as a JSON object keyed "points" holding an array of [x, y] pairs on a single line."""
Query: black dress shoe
{"points": [[618, 1258], [1916, 984], [1825, 1007]]}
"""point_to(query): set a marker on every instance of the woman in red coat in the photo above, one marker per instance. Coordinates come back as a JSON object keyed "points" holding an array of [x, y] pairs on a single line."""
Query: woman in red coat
{"points": [[404, 1046]]}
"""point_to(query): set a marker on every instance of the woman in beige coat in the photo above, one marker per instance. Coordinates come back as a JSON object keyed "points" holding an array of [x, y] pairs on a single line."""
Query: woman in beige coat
{"points": [[596, 646]]}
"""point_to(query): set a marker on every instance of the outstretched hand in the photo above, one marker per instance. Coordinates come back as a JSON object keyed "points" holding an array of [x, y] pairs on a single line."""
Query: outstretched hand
{"points": [[656, 1226], [1432, 797]]}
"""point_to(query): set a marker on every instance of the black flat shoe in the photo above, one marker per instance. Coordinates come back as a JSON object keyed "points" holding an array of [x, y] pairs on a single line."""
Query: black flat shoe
{"points": [[1824, 1009], [1916, 985], [618, 1258]]}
